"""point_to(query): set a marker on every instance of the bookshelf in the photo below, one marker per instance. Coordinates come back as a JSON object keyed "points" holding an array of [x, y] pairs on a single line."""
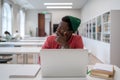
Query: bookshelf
{"points": [[98, 28], [93, 29], [104, 29]]}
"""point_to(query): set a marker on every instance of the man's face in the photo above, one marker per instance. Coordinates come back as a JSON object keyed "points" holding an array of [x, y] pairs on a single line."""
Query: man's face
{"points": [[62, 32], [62, 28]]}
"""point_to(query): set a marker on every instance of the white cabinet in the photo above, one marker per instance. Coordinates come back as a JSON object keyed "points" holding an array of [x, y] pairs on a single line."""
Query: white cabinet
{"points": [[104, 29], [98, 28]]}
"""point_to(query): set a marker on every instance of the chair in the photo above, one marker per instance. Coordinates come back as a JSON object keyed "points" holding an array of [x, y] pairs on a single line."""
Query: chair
{"points": [[4, 58]]}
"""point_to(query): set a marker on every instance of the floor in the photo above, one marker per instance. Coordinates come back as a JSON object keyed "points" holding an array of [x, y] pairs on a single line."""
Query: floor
{"points": [[93, 60]]}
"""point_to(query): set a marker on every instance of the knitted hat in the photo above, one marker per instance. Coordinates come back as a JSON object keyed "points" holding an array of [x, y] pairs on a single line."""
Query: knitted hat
{"points": [[75, 22]]}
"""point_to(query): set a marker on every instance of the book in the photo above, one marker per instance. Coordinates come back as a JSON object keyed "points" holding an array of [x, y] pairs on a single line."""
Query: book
{"points": [[103, 70], [100, 75]]}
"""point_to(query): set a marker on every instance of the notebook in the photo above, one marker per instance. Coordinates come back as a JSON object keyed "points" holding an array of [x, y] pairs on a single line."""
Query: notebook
{"points": [[64, 62]]}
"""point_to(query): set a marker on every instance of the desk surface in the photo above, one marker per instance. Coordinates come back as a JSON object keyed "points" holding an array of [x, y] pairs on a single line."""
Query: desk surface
{"points": [[20, 50], [35, 38], [8, 69], [31, 40], [22, 43]]}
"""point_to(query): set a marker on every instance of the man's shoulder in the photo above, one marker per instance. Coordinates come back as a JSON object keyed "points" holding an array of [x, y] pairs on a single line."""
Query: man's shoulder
{"points": [[51, 37], [74, 35]]}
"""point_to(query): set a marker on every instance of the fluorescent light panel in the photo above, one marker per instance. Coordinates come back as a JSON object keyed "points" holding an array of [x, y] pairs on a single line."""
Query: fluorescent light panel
{"points": [[59, 7], [57, 3]]}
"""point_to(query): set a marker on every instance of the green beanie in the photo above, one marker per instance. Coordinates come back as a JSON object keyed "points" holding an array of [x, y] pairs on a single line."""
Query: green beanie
{"points": [[75, 22]]}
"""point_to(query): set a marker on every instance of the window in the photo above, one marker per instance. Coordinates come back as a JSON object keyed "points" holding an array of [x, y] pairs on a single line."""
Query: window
{"points": [[6, 19], [22, 23]]}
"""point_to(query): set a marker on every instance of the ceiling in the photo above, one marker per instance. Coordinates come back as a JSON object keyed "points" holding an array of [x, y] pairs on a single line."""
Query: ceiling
{"points": [[39, 4]]}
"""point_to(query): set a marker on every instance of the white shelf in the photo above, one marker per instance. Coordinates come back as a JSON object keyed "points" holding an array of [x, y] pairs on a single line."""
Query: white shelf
{"points": [[107, 26]]}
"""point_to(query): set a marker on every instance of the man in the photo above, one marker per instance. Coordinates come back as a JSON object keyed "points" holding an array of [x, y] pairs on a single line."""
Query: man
{"points": [[65, 37], [17, 35]]}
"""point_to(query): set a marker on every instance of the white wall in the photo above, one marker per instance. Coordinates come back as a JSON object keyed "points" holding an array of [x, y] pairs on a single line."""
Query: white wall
{"points": [[0, 18], [32, 17], [92, 9], [47, 23]]}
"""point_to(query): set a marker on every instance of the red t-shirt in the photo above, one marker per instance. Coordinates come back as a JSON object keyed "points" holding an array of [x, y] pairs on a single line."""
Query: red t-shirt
{"points": [[74, 42]]}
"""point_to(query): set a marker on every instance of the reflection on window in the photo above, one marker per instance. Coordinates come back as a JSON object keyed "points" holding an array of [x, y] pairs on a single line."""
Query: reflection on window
{"points": [[6, 19]]}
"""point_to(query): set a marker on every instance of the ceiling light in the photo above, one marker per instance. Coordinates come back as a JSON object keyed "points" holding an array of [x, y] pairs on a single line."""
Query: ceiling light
{"points": [[59, 7], [57, 3]]}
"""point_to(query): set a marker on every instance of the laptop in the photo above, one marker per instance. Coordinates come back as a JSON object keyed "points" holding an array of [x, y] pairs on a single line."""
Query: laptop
{"points": [[64, 62]]}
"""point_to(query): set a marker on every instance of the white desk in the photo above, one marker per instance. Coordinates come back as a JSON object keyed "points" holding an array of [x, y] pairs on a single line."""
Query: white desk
{"points": [[21, 50], [35, 38], [22, 43], [7, 69], [18, 70], [31, 40]]}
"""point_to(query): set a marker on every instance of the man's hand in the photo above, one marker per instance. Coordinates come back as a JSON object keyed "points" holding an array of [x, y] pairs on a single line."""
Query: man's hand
{"points": [[61, 37]]}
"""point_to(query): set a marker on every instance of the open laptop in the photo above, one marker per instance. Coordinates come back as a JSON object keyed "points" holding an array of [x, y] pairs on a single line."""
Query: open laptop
{"points": [[64, 62]]}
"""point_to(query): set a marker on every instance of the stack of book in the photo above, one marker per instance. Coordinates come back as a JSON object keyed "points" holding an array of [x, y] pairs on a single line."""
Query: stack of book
{"points": [[103, 70]]}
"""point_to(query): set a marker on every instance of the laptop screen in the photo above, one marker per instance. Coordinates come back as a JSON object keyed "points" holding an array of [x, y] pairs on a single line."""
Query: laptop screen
{"points": [[64, 62]]}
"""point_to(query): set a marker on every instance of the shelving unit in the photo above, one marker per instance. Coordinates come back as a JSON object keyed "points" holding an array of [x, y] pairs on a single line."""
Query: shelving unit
{"points": [[106, 27], [98, 28], [93, 28], [104, 30]]}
